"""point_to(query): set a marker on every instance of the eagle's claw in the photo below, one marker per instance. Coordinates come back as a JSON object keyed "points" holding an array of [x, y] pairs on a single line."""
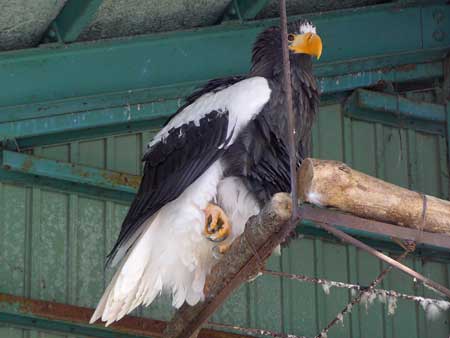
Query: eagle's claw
{"points": [[217, 225]]}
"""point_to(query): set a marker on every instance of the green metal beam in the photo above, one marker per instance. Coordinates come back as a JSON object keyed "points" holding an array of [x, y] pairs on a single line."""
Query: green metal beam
{"points": [[332, 78], [87, 117], [75, 16], [399, 105], [374, 233], [81, 97], [28, 169], [396, 110], [19, 167], [245, 9], [83, 69]]}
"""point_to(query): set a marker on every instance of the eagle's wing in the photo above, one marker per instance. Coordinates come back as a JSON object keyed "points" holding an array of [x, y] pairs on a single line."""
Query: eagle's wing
{"points": [[171, 165], [188, 145], [161, 242]]}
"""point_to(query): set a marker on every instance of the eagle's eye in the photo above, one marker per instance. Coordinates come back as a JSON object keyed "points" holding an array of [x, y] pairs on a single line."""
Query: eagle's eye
{"points": [[291, 37]]}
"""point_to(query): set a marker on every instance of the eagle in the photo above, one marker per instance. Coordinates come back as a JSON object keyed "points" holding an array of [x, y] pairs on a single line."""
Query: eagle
{"points": [[212, 166]]}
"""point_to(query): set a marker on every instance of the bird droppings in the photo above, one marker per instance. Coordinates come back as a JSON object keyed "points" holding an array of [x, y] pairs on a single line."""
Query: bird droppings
{"points": [[434, 309], [392, 304], [340, 318], [367, 298], [382, 297], [349, 308], [326, 286]]}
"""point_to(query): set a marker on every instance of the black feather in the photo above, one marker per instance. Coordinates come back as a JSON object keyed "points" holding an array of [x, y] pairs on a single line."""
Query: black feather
{"points": [[171, 166], [259, 155]]}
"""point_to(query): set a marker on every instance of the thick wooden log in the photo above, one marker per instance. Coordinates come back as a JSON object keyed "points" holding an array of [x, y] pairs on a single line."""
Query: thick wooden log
{"points": [[243, 260], [334, 184]]}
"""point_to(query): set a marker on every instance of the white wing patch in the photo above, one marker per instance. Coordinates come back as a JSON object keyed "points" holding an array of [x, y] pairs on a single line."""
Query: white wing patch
{"points": [[243, 101]]}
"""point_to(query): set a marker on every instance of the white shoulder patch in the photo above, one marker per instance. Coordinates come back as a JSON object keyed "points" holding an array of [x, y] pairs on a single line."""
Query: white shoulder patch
{"points": [[243, 101]]}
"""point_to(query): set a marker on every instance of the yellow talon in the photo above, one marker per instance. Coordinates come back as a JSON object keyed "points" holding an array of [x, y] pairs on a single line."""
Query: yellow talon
{"points": [[217, 225]]}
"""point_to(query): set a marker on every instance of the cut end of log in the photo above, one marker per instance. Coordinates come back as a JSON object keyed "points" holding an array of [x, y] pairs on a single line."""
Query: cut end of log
{"points": [[310, 172], [334, 184]]}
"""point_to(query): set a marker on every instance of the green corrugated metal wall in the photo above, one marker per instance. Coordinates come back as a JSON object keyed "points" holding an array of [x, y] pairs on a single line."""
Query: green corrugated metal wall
{"points": [[53, 244]]}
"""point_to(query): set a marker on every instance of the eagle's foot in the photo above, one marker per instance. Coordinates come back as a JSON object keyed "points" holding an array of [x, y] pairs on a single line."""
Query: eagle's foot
{"points": [[217, 225]]}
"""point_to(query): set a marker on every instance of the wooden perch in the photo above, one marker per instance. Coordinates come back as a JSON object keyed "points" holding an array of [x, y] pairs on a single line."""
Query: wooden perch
{"points": [[334, 184], [244, 259]]}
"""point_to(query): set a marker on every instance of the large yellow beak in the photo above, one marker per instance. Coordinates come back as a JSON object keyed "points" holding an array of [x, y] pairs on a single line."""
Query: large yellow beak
{"points": [[308, 43]]}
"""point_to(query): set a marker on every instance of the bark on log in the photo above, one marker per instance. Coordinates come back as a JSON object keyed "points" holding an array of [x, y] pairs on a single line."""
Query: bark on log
{"points": [[334, 184], [262, 234]]}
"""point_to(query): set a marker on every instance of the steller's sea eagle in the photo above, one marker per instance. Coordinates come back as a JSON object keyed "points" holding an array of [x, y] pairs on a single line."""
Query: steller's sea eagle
{"points": [[215, 163]]}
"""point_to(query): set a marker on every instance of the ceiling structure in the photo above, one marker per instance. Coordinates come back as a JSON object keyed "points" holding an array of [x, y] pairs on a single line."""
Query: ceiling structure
{"points": [[24, 23]]}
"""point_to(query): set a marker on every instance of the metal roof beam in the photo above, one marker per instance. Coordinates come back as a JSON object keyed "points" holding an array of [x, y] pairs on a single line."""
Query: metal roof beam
{"points": [[88, 117], [75, 16], [23, 168], [164, 59], [396, 104], [396, 110]]}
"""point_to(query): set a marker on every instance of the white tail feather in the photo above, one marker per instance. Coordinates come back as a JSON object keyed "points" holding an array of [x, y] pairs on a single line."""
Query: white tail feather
{"points": [[170, 255]]}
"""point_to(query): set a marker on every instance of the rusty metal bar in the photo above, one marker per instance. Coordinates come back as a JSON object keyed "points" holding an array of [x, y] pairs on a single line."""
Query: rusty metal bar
{"points": [[26, 312], [326, 283], [370, 228], [252, 331]]}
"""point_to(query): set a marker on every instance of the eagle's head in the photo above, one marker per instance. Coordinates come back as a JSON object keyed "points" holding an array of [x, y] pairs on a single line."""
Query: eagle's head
{"points": [[304, 44], [303, 39]]}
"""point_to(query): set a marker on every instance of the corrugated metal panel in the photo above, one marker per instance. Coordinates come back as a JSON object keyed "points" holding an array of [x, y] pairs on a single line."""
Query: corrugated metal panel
{"points": [[117, 18], [296, 7], [53, 243], [23, 22]]}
